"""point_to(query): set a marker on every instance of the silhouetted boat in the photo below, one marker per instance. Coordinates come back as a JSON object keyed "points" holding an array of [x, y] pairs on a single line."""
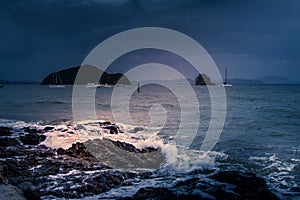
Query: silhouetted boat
{"points": [[57, 82], [97, 85], [226, 82]]}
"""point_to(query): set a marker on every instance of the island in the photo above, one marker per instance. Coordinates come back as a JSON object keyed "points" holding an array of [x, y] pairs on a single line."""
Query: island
{"points": [[203, 79], [68, 77]]}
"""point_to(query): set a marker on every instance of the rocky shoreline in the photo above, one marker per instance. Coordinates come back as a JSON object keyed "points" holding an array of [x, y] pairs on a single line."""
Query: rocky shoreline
{"points": [[29, 170]]}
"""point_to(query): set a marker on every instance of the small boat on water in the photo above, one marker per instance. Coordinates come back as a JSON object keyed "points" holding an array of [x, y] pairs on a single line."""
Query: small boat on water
{"points": [[97, 85], [56, 86], [226, 81], [57, 82]]}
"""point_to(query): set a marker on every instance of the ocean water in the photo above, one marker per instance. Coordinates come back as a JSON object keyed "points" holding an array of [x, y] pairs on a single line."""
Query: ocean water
{"points": [[261, 133]]}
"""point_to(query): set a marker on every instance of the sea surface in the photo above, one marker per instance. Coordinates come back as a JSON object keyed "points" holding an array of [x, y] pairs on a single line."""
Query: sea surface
{"points": [[261, 133]]}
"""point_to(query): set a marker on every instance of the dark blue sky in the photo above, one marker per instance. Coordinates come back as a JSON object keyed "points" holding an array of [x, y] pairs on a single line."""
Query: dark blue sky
{"points": [[251, 38]]}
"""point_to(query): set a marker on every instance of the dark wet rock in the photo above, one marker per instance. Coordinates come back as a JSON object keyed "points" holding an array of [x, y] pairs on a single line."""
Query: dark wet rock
{"points": [[136, 129], [49, 168], [77, 150], [34, 169], [40, 171], [64, 164], [17, 180], [113, 128], [132, 148], [9, 192], [31, 130], [205, 190], [226, 185], [247, 184], [11, 151], [120, 150], [32, 138], [80, 183], [6, 142], [125, 146], [37, 170], [295, 189], [17, 167], [40, 152], [30, 191], [48, 128], [60, 151], [3, 174], [148, 150], [152, 193], [5, 131]]}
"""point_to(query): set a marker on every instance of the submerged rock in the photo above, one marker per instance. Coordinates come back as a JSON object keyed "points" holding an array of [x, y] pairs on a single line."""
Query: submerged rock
{"points": [[5, 131], [3, 174], [32, 138], [30, 191], [6, 142], [247, 184], [31, 130], [9, 192], [154, 193], [113, 128], [48, 128], [225, 185]]}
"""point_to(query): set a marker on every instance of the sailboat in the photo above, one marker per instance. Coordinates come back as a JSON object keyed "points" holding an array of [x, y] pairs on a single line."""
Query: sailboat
{"points": [[56, 82], [97, 85], [226, 82]]}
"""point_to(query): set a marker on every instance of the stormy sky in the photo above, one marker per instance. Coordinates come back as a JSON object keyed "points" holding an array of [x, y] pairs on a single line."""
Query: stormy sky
{"points": [[252, 38]]}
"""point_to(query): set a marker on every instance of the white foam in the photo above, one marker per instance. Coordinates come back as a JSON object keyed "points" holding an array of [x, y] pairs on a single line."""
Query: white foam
{"points": [[72, 172], [192, 159], [65, 134], [295, 160], [57, 140]]}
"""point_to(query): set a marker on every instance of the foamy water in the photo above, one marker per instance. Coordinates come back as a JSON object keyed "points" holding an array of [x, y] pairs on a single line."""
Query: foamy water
{"points": [[261, 133]]}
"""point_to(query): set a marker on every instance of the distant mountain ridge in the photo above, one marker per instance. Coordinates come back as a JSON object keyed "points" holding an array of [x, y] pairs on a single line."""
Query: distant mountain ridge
{"points": [[263, 81], [19, 82], [240, 81], [91, 73]]}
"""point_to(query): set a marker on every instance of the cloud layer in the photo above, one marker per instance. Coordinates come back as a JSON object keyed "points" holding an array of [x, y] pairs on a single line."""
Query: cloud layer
{"points": [[252, 38]]}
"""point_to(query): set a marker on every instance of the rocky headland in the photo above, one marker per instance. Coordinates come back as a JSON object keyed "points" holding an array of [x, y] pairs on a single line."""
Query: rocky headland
{"points": [[90, 74], [29, 170]]}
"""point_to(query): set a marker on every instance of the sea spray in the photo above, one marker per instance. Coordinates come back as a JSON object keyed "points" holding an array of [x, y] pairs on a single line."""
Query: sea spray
{"points": [[65, 134]]}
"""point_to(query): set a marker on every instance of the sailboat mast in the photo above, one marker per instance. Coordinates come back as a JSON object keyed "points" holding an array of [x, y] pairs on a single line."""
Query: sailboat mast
{"points": [[53, 78], [59, 79], [226, 78]]}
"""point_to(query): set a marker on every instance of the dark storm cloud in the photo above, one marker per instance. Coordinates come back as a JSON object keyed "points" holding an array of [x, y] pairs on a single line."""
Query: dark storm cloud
{"points": [[253, 38]]}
